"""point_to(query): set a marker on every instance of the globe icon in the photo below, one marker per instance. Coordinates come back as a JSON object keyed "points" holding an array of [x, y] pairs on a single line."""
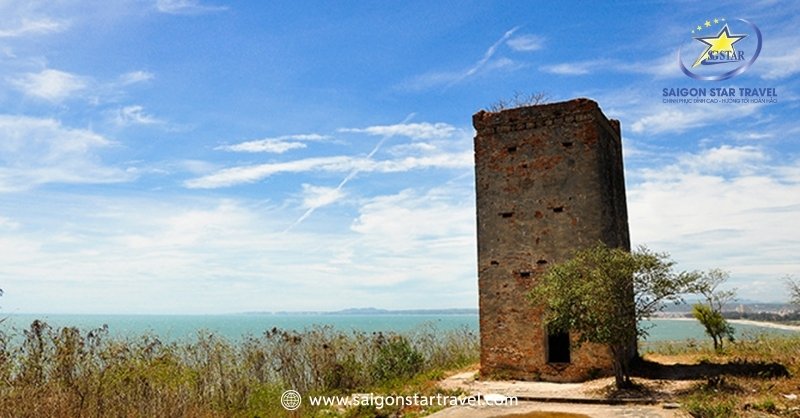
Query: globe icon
{"points": [[291, 400]]}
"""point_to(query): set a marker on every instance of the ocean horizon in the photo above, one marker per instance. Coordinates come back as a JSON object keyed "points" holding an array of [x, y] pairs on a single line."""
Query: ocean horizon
{"points": [[237, 326]]}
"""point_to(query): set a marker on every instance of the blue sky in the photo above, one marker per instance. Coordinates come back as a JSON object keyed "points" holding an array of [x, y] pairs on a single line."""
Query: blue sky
{"points": [[186, 156]]}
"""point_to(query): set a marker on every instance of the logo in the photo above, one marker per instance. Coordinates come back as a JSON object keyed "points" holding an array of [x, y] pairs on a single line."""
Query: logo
{"points": [[291, 400], [720, 49]]}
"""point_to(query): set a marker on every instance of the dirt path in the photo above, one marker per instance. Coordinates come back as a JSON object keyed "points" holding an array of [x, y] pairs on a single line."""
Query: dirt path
{"points": [[587, 399]]}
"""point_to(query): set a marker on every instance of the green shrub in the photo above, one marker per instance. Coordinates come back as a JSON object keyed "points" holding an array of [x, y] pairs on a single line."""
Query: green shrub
{"points": [[396, 358]]}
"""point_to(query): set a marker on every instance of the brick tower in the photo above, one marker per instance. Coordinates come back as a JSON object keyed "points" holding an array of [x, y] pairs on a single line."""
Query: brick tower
{"points": [[549, 180]]}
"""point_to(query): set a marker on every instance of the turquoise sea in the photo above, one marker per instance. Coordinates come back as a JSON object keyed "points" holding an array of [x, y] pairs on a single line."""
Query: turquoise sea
{"points": [[179, 327]]}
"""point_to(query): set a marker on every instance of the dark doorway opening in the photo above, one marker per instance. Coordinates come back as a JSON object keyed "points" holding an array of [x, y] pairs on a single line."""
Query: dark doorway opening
{"points": [[558, 347]]}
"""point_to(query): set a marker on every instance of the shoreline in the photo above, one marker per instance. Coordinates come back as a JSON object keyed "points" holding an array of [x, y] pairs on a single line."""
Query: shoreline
{"points": [[774, 325], [763, 324]]}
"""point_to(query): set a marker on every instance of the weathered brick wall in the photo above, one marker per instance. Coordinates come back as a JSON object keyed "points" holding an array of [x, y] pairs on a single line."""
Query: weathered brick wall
{"points": [[549, 180]]}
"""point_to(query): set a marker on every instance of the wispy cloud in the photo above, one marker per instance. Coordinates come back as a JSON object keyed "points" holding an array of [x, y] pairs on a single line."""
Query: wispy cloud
{"points": [[277, 145], [717, 160], [353, 172], [8, 224], [134, 77], [733, 205], [135, 115], [423, 130], [751, 136], [273, 146], [187, 7], [34, 27], [51, 85], [35, 151], [526, 43], [574, 68], [782, 63], [318, 196], [661, 67], [675, 119], [226, 254], [336, 164]]}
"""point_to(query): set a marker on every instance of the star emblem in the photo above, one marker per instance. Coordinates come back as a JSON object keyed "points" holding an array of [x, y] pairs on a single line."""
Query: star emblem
{"points": [[722, 42]]}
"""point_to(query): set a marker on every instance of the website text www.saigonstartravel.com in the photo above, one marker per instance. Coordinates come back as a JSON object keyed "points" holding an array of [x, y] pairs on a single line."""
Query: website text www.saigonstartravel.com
{"points": [[292, 400]]}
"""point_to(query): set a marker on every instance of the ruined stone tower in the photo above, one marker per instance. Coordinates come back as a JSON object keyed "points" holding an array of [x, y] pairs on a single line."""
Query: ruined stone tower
{"points": [[549, 180]]}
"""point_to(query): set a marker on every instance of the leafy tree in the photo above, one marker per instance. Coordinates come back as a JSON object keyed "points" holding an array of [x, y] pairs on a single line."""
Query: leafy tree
{"points": [[715, 324], [710, 313], [602, 294], [794, 291]]}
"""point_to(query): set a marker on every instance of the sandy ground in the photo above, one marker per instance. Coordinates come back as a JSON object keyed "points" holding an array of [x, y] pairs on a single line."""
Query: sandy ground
{"points": [[661, 390], [561, 397], [598, 411]]}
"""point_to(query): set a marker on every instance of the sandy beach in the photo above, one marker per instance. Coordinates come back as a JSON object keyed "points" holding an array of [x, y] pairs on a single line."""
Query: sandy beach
{"points": [[765, 324], [741, 321]]}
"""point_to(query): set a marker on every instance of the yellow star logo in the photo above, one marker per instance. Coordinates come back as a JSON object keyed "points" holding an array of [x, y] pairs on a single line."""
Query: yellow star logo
{"points": [[699, 27], [716, 21], [723, 42], [708, 23]]}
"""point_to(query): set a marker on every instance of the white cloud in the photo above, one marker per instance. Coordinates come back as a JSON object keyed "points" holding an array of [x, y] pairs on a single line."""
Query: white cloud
{"points": [[135, 115], [8, 224], [277, 145], [786, 64], [450, 151], [134, 77], [725, 157], [336, 164], [120, 255], [273, 146], [568, 68], [186, 7], [249, 174], [526, 43], [422, 130], [36, 151], [728, 207], [576, 68], [661, 67], [751, 136], [318, 196], [664, 66], [668, 118], [30, 26], [428, 236], [51, 85]]}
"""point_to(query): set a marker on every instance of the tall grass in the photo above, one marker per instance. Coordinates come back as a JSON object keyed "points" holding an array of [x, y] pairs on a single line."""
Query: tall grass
{"points": [[65, 372]]}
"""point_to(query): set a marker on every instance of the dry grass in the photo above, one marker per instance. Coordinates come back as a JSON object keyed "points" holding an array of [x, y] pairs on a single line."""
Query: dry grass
{"points": [[68, 373], [739, 394]]}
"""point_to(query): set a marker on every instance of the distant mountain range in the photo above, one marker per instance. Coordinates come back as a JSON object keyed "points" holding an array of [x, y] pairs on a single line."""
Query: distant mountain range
{"points": [[376, 311], [742, 306]]}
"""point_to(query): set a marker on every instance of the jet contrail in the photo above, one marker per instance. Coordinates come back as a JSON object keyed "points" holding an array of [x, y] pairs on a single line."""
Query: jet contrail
{"points": [[486, 56], [347, 178]]}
